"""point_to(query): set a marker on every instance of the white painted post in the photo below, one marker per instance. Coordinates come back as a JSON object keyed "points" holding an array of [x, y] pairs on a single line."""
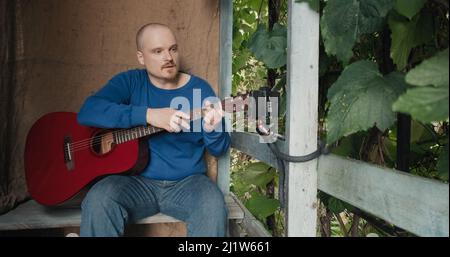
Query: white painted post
{"points": [[226, 38], [302, 115]]}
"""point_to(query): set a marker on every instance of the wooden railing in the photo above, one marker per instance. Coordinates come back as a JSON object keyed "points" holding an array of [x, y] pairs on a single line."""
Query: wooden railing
{"points": [[416, 204]]}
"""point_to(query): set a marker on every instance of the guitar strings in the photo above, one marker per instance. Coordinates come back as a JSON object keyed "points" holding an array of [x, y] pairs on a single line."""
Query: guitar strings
{"points": [[88, 140], [77, 143], [87, 143], [98, 139]]}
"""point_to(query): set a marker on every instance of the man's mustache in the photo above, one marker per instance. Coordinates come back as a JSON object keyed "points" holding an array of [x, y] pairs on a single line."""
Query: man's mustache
{"points": [[168, 65]]}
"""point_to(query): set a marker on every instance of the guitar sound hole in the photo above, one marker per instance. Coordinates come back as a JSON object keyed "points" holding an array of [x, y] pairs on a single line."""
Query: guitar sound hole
{"points": [[102, 142]]}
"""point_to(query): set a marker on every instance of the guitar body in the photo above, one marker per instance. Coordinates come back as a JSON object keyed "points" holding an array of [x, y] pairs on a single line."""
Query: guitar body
{"points": [[63, 157]]}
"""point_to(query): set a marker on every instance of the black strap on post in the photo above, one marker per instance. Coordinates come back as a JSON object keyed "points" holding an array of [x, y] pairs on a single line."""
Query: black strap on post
{"points": [[282, 158]]}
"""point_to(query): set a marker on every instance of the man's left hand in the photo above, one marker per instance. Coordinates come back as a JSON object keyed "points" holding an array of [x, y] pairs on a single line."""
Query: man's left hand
{"points": [[213, 116]]}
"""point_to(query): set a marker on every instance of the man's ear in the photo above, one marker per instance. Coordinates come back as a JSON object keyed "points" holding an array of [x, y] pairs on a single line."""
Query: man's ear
{"points": [[140, 57]]}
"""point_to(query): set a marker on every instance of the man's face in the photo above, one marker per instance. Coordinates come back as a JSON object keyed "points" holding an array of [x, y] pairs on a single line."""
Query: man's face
{"points": [[159, 53]]}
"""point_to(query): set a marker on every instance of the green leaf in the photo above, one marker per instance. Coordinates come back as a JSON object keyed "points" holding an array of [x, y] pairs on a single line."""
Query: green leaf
{"points": [[279, 87], [407, 34], [270, 47], [433, 71], [254, 4], [259, 174], [409, 8], [238, 186], [262, 207], [391, 149], [279, 30], [323, 197], [337, 206], [343, 22], [257, 167], [362, 98], [427, 103], [442, 164], [417, 131], [345, 147], [240, 60], [313, 4]]}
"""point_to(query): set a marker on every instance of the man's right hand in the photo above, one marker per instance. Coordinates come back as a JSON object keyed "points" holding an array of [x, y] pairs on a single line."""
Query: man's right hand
{"points": [[168, 119]]}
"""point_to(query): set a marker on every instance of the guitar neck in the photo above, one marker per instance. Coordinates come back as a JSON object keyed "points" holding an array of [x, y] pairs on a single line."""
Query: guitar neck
{"points": [[199, 112], [125, 135]]}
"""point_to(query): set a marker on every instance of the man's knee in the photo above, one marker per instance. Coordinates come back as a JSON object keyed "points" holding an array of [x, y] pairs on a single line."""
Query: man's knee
{"points": [[212, 201], [210, 213], [103, 193]]}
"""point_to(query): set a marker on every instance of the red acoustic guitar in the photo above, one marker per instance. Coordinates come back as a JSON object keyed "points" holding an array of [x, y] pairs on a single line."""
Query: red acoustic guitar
{"points": [[63, 157]]}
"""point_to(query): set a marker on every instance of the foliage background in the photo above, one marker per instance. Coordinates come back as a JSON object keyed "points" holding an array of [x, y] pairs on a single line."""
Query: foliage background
{"points": [[383, 95]]}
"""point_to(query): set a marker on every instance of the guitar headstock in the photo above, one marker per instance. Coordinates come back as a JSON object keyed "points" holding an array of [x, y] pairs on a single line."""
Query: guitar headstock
{"points": [[260, 108], [238, 103]]}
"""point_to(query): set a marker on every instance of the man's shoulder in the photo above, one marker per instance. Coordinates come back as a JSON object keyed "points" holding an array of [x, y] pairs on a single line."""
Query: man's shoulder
{"points": [[132, 73], [198, 79], [128, 77], [200, 82]]}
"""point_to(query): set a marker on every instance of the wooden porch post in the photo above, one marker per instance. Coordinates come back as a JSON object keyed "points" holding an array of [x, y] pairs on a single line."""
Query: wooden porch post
{"points": [[226, 40], [302, 115]]}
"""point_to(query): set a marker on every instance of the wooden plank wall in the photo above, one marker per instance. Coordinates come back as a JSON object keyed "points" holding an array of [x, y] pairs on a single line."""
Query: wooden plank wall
{"points": [[66, 50]]}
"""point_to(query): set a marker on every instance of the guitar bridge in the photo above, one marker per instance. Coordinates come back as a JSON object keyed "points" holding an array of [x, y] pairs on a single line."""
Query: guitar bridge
{"points": [[68, 153]]}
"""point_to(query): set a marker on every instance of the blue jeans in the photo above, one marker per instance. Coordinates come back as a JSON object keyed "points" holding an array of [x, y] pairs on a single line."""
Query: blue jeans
{"points": [[117, 200]]}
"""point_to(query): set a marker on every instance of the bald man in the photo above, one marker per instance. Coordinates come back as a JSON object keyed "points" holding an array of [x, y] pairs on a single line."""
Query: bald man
{"points": [[174, 181]]}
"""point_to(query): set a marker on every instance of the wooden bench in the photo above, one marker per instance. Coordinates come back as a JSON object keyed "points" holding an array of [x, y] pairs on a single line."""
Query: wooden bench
{"points": [[33, 216]]}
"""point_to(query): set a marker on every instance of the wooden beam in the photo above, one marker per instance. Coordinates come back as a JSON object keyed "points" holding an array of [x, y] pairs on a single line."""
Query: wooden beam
{"points": [[302, 118], [249, 143], [226, 43], [414, 203]]}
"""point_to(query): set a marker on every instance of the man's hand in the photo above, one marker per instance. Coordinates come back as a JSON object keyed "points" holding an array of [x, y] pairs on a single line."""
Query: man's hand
{"points": [[213, 116], [168, 119]]}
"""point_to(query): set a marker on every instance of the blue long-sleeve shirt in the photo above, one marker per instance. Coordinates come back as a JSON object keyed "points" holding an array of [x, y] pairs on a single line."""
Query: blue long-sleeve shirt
{"points": [[123, 103]]}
